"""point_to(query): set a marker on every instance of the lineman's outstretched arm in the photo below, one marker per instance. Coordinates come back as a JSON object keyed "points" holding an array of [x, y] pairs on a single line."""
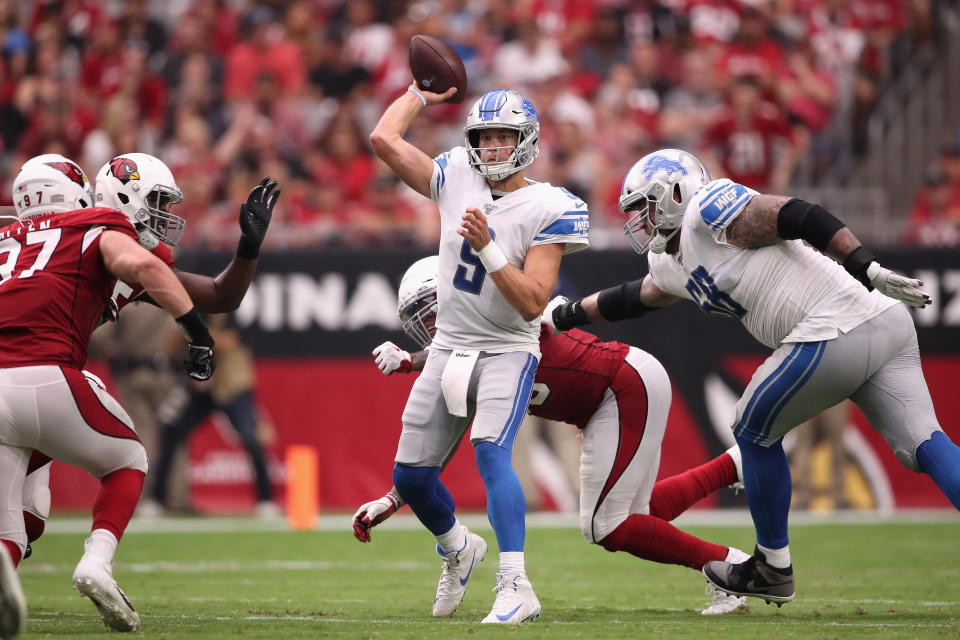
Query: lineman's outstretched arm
{"points": [[410, 164], [768, 219], [225, 292], [631, 299]]}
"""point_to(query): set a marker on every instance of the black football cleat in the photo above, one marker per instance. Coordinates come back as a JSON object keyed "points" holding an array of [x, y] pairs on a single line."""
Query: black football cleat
{"points": [[754, 577]]}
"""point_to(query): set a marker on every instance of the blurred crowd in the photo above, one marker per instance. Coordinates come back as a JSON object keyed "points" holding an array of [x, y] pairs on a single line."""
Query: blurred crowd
{"points": [[227, 91]]}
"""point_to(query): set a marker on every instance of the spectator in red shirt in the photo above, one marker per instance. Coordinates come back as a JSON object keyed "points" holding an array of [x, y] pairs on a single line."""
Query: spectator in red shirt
{"points": [[752, 143], [264, 51], [934, 219]]}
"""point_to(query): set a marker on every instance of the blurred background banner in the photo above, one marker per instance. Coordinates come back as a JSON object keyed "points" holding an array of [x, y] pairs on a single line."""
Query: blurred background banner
{"points": [[313, 318]]}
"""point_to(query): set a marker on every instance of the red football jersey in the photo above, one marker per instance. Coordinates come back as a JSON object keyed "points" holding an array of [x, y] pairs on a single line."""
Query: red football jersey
{"points": [[54, 286], [125, 292], [575, 370]]}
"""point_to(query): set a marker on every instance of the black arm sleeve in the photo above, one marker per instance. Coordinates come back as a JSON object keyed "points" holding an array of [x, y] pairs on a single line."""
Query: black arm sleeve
{"points": [[622, 302], [811, 223]]}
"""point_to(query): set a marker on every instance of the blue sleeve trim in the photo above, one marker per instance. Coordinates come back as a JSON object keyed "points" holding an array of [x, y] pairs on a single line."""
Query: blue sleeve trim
{"points": [[441, 162], [722, 203], [578, 225]]}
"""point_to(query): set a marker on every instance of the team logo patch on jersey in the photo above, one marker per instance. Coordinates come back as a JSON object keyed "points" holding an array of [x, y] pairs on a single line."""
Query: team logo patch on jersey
{"points": [[124, 169], [488, 208], [70, 170], [662, 163]]}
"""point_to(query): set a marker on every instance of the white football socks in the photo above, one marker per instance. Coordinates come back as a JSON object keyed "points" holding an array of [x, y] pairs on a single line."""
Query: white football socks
{"points": [[779, 558], [453, 540], [512, 562], [102, 545]]}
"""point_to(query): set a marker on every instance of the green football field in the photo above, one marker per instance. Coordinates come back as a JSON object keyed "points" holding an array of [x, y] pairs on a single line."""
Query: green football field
{"points": [[223, 578]]}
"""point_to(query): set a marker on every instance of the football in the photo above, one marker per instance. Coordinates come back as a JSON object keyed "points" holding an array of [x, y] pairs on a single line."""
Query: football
{"points": [[436, 67]]}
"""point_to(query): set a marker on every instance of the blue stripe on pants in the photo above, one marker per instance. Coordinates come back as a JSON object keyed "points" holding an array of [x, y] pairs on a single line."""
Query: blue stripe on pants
{"points": [[520, 401], [777, 389]]}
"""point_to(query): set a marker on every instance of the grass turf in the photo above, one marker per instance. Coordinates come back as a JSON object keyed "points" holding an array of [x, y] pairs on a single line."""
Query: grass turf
{"points": [[889, 580]]}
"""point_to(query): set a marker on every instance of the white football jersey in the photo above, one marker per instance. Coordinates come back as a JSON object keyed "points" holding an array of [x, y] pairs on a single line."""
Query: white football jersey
{"points": [[785, 292], [473, 314]]}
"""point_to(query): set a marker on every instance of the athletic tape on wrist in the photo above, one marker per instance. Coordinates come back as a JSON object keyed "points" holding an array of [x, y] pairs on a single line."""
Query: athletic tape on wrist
{"points": [[492, 257]]}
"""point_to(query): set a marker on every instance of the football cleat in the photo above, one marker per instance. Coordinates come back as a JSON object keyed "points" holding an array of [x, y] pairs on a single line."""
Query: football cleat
{"points": [[13, 604], [94, 579], [458, 565], [516, 602], [722, 602], [753, 577]]}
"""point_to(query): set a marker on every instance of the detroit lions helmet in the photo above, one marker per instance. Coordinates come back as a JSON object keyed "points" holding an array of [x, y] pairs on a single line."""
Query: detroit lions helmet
{"points": [[502, 109], [658, 188], [142, 188], [417, 300], [50, 183]]}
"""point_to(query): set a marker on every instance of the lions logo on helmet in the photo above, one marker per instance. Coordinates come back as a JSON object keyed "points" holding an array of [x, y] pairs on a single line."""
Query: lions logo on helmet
{"points": [[657, 190], [502, 109], [124, 169]]}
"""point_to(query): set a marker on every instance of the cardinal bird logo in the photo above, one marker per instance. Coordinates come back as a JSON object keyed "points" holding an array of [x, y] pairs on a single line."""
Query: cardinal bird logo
{"points": [[124, 169], [70, 170]]}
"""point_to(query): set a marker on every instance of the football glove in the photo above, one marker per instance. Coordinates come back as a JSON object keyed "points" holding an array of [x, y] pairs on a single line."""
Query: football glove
{"points": [[896, 286], [371, 514], [548, 318], [391, 358], [256, 212]]}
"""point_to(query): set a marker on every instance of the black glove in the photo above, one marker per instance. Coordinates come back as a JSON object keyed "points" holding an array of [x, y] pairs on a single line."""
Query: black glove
{"points": [[111, 313], [255, 216], [199, 363]]}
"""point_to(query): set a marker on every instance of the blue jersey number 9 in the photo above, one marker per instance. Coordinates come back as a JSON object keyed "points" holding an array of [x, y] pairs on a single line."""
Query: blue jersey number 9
{"points": [[474, 283]]}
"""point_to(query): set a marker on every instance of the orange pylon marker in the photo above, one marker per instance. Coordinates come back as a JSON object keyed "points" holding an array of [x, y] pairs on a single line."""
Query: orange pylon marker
{"points": [[302, 483]]}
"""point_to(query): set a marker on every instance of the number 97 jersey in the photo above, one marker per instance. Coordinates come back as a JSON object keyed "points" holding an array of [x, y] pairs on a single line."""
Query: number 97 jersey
{"points": [[54, 286], [473, 314]]}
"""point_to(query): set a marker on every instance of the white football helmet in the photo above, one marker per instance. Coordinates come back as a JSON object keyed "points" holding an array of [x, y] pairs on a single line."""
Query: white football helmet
{"points": [[142, 187], [502, 109], [661, 183], [50, 183], [417, 300]]}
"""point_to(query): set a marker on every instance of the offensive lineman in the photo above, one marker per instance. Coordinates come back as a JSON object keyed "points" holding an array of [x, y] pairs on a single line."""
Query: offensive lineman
{"points": [[60, 264], [619, 396], [502, 239], [737, 253]]}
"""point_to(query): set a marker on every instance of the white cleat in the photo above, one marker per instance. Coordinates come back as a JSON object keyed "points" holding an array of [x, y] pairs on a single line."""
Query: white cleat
{"points": [[722, 602], [13, 605], [94, 579], [516, 602], [457, 567], [734, 452]]}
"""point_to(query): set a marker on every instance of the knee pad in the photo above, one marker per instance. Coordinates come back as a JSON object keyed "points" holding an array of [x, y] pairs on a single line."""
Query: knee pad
{"points": [[414, 479], [36, 492]]}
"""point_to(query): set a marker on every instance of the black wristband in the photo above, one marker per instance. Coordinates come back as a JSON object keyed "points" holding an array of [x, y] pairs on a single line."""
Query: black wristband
{"points": [[622, 302], [856, 265], [195, 328], [809, 222], [569, 315], [247, 249]]}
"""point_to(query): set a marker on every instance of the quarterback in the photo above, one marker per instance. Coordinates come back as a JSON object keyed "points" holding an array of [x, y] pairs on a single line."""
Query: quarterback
{"points": [[502, 239], [619, 396], [833, 316]]}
